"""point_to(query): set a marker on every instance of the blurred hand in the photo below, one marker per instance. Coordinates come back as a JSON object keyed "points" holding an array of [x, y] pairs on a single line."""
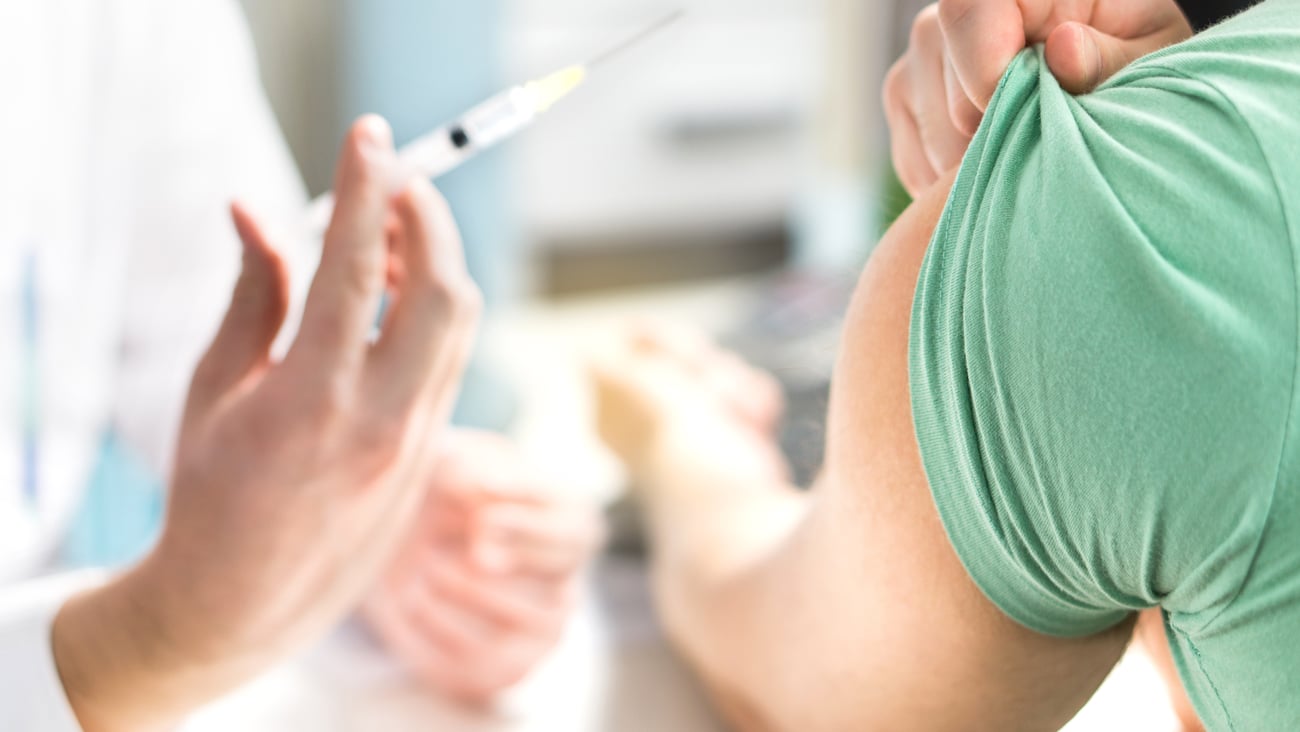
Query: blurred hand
{"points": [[937, 93], [293, 480], [668, 398], [484, 584]]}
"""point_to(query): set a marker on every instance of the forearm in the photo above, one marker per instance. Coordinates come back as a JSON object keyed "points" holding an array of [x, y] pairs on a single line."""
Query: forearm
{"points": [[708, 543], [723, 540]]}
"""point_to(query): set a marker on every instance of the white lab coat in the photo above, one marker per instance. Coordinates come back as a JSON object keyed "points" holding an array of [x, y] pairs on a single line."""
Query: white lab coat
{"points": [[126, 127]]}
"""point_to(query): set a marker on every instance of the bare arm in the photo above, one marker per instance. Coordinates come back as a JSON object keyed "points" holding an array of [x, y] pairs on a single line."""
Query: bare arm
{"points": [[846, 609]]}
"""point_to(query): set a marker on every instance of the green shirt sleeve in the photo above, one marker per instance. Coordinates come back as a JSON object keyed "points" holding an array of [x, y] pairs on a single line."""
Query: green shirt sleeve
{"points": [[1103, 349]]}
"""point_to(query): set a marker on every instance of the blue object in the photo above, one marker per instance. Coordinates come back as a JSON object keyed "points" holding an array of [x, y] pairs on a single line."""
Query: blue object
{"points": [[31, 383], [121, 513], [419, 64]]}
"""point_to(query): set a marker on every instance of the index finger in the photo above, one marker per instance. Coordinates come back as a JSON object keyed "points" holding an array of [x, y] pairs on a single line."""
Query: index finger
{"points": [[983, 37], [344, 299]]}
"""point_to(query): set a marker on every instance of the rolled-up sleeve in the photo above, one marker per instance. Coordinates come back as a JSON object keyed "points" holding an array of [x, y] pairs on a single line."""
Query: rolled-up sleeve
{"points": [[1103, 344], [31, 693]]}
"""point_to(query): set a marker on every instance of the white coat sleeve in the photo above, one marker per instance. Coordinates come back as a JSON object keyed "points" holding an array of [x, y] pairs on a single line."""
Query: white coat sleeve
{"points": [[209, 137], [32, 696]]}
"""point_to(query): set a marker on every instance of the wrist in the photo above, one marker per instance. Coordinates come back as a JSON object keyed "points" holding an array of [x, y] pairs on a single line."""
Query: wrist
{"points": [[130, 658], [101, 648]]}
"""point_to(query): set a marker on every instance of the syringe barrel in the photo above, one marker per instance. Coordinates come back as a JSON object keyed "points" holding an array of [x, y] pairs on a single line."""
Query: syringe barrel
{"points": [[432, 155], [446, 148], [500, 117], [491, 122]]}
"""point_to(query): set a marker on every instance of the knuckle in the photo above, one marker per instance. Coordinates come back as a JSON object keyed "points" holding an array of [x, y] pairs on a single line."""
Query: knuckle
{"points": [[363, 272], [380, 439], [356, 274], [966, 119], [455, 297], [468, 300], [435, 295], [926, 27], [322, 403], [895, 89], [953, 14]]}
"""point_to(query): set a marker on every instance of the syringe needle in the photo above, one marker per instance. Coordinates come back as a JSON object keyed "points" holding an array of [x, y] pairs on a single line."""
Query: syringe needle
{"points": [[639, 36]]}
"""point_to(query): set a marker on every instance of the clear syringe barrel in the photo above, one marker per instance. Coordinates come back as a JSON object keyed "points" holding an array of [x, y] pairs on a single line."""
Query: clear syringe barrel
{"points": [[446, 148]]}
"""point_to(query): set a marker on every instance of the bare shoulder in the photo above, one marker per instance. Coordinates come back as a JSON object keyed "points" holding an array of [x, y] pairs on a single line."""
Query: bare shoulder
{"points": [[938, 649]]}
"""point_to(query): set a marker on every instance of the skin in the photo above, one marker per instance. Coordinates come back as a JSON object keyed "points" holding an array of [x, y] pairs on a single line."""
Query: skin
{"points": [[845, 608], [935, 96], [483, 585], [294, 480]]}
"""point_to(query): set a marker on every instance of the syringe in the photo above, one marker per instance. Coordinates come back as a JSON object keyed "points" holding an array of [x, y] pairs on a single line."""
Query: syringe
{"points": [[486, 125]]}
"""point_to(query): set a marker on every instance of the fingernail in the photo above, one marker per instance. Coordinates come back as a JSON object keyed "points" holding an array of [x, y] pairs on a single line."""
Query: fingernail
{"points": [[1089, 56], [375, 133]]}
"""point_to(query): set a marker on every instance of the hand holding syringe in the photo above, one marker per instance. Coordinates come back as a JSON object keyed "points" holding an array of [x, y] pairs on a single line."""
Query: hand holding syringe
{"points": [[486, 125]]}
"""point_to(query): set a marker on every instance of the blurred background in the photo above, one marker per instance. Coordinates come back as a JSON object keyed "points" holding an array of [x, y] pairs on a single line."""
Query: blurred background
{"points": [[732, 171], [740, 139]]}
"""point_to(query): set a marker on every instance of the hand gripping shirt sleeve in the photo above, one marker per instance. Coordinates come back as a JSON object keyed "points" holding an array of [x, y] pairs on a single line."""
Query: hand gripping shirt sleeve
{"points": [[1103, 358], [1103, 349]]}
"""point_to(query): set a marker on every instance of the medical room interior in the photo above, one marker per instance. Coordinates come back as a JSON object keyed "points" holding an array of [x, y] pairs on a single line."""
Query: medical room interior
{"points": [[731, 172]]}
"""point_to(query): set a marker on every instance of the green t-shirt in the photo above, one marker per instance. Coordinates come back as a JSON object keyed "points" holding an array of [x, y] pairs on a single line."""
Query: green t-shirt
{"points": [[1104, 353]]}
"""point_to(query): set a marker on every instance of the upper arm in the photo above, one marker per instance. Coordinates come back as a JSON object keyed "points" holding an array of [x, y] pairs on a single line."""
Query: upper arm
{"points": [[880, 625], [1097, 367], [902, 633]]}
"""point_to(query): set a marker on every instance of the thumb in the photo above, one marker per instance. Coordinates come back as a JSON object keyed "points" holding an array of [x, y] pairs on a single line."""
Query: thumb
{"points": [[257, 310], [1082, 57]]}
